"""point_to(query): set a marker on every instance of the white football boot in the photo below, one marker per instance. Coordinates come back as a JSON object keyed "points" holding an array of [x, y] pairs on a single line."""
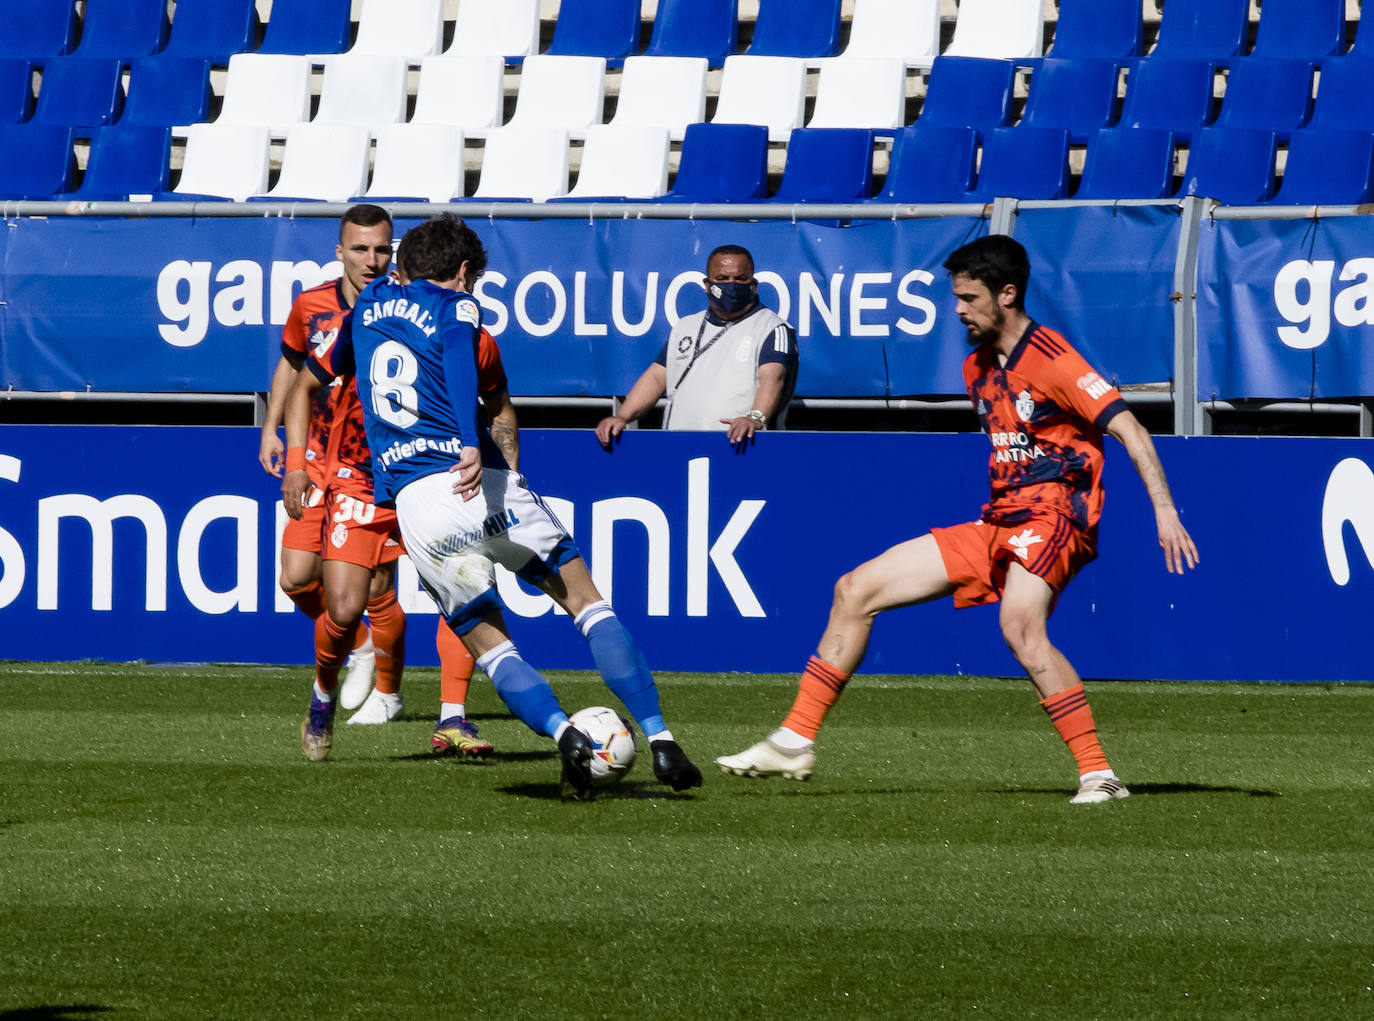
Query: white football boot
{"points": [[380, 708], [362, 668], [1095, 788], [770, 759]]}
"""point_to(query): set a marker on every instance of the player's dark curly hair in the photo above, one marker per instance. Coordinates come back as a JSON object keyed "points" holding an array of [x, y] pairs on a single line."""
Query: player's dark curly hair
{"points": [[995, 260], [437, 249]]}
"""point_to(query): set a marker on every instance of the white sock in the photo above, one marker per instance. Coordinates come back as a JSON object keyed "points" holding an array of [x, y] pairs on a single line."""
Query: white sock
{"points": [[559, 732], [319, 693], [785, 738], [1096, 774], [662, 735], [450, 709]]}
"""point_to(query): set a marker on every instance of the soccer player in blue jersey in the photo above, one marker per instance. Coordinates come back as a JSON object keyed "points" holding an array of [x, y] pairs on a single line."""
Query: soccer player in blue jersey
{"points": [[412, 348]]}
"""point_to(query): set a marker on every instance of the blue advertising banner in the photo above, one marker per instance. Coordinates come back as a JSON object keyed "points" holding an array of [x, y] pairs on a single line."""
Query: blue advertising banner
{"points": [[578, 308], [1285, 308], [1106, 274], [161, 544]]}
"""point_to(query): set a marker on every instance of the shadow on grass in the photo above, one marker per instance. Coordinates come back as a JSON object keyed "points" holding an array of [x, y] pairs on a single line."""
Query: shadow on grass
{"points": [[71, 1012], [471, 760], [623, 791], [1154, 788]]}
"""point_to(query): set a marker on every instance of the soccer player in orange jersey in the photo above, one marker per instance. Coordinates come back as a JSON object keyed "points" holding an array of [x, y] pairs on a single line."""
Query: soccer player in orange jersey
{"points": [[1045, 411], [364, 250]]}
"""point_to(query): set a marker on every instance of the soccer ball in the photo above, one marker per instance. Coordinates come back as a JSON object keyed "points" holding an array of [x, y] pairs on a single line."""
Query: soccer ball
{"points": [[613, 743]]}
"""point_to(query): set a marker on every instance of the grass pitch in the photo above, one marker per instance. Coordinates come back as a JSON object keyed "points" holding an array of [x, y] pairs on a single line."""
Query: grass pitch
{"points": [[166, 852]]}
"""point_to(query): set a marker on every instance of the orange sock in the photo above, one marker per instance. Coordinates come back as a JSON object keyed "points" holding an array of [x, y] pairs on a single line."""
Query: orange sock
{"points": [[821, 685], [309, 599], [332, 646], [455, 665], [389, 641], [1073, 718]]}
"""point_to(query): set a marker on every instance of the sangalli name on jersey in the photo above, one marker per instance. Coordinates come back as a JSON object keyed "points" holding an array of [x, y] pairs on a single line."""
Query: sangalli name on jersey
{"points": [[400, 308]]}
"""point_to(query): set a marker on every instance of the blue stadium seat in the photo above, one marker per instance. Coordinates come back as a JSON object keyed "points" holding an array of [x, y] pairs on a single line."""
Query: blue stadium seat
{"points": [[1202, 29], [1128, 163], [167, 91], [79, 92], [597, 28], [123, 29], [307, 26], [16, 90], [212, 28], [1306, 29], [1169, 95], [1099, 29], [34, 31], [796, 28], [721, 163], [827, 165], [968, 92], [1363, 46], [1267, 94], [36, 161], [1023, 163], [695, 28], [1077, 95], [126, 160], [1345, 100], [1233, 165], [1328, 168], [930, 164]]}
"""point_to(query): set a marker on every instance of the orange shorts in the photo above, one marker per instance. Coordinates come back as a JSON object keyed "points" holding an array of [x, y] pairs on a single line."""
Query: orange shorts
{"points": [[977, 553], [306, 533], [359, 532]]}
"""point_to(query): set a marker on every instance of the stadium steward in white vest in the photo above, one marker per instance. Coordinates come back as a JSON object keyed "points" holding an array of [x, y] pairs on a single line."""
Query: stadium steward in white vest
{"points": [[731, 368]]}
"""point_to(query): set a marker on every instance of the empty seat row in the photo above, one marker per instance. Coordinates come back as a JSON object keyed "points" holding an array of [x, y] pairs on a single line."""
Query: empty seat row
{"points": [[719, 163]]}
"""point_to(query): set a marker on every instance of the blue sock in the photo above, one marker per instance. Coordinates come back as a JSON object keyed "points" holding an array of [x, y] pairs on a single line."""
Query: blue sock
{"points": [[622, 665], [523, 689]]}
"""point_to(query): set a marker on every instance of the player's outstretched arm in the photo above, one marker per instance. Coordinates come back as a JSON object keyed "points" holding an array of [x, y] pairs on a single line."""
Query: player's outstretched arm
{"points": [[1178, 546], [650, 386]]}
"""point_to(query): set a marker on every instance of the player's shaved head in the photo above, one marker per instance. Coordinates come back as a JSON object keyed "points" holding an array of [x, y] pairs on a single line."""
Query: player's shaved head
{"points": [[996, 261], [364, 215], [436, 250]]}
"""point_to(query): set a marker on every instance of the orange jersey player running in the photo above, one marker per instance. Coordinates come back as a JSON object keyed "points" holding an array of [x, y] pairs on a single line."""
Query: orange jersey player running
{"points": [[364, 251], [1045, 411], [360, 536]]}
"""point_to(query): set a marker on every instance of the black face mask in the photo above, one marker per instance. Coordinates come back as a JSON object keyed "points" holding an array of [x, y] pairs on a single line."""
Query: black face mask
{"points": [[730, 298]]}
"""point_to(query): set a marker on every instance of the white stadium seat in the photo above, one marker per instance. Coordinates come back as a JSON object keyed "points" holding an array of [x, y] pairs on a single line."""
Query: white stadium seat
{"points": [[860, 93], [417, 161], [560, 92], [270, 89], [668, 92], [623, 161], [327, 162], [363, 89], [400, 28], [524, 163], [227, 160], [495, 28], [998, 29], [464, 92], [908, 30], [763, 90]]}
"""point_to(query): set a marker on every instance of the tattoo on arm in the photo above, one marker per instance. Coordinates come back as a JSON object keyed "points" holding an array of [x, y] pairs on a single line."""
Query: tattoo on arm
{"points": [[506, 438]]}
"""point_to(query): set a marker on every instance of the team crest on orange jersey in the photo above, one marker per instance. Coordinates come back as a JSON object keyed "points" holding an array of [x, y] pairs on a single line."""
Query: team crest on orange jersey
{"points": [[1025, 405], [339, 536]]}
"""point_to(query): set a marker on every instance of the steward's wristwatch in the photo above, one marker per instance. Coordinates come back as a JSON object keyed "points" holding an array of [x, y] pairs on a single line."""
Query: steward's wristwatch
{"points": [[759, 419]]}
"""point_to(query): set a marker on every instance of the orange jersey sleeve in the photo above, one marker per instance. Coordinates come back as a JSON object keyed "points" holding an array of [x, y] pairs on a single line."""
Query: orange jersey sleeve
{"points": [[314, 321], [491, 374]]}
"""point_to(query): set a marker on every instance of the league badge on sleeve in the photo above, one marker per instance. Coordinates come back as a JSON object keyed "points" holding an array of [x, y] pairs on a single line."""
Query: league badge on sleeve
{"points": [[466, 311]]}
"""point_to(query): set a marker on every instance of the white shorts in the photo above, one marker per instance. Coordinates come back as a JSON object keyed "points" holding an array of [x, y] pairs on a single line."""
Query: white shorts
{"points": [[453, 542]]}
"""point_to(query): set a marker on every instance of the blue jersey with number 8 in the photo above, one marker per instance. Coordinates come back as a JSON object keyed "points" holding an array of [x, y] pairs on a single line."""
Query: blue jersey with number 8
{"points": [[413, 351]]}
